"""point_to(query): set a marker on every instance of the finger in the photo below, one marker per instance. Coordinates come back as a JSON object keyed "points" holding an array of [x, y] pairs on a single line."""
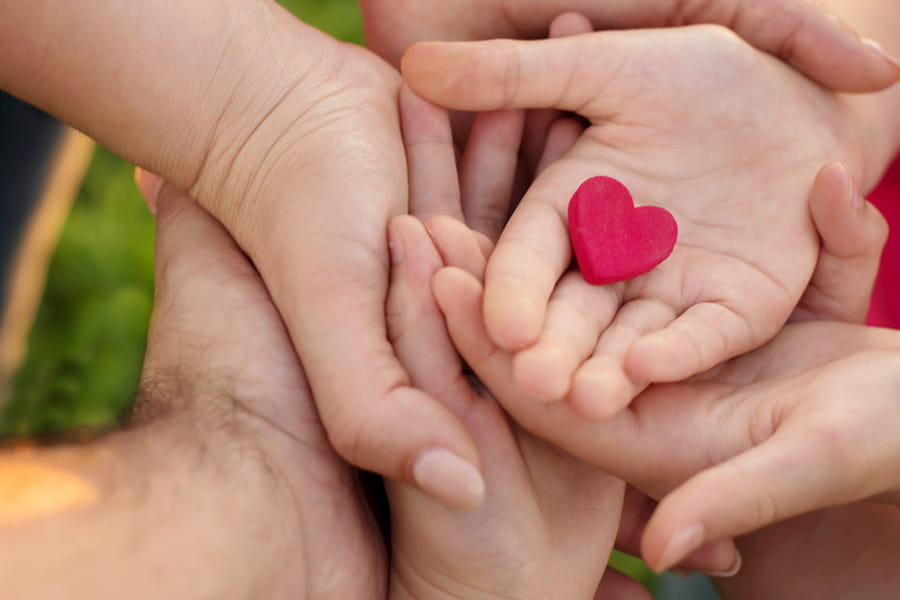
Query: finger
{"points": [[415, 323], [699, 339], [717, 559], [458, 245], [506, 74], [532, 254], [576, 315], [853, 234], [459, 296], [795, 30], [430, 158], [781, 478], [562, 135], [570, 23], [601, 387], [539, 122], [488, 168], [149, 185]]}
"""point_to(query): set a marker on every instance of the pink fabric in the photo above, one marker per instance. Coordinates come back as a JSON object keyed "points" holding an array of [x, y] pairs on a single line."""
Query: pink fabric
{"points": [[885, 308]]}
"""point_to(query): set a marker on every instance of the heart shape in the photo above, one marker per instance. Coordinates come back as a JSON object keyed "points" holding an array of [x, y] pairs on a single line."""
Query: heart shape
{"points": [[612, 239]]}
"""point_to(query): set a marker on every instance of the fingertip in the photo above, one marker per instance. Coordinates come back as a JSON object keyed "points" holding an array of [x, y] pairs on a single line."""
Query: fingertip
{"points": [[436, 69], [544, 372], [449, 478], [892, 74], [599, 392], [512, 316], [570, 23]]}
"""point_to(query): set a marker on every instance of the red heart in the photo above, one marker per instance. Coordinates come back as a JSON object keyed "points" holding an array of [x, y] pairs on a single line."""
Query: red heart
{"points": [[613, 240]]}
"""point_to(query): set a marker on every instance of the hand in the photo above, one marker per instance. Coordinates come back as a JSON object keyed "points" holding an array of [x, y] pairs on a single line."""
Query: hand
{"points": [[538, 503], [547, 524], [794, 30], [292, 141], [772, 434], [225, 485], [718, 295]]}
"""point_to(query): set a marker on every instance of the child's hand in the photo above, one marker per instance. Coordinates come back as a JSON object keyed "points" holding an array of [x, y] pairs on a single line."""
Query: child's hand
{"points": [[692, 119], [547, 523]]}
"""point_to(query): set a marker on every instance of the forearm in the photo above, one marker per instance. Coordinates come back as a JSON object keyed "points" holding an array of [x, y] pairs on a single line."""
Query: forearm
{"points": [[151, 79], [143, 514], [876, 116]]}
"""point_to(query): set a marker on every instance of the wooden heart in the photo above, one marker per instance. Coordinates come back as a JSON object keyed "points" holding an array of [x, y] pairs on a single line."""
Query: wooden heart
{"points": [[612, 239]]}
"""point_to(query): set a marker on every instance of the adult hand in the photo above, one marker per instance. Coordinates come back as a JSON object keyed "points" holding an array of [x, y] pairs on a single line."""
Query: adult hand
{"points": [[733, 174], [800, 32], [292, 141], [225, 485], [772, 434]]}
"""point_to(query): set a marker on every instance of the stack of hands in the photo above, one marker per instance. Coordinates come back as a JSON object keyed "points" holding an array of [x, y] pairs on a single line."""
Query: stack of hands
{"points": [[350, 277]]}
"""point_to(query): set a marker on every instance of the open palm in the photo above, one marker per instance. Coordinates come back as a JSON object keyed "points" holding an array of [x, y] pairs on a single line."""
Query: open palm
{"points": [[726, 138]]}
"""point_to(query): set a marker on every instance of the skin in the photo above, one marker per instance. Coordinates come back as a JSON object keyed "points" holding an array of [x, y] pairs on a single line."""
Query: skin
{"points": [[548, 522], [765, 437], [725, 169], [795, 31], [224, 412], [292, 141], [519, 542]]}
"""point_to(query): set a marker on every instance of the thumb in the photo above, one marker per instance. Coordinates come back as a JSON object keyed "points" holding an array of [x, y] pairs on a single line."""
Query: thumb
{"points": [[784, 477], [853, 234]]}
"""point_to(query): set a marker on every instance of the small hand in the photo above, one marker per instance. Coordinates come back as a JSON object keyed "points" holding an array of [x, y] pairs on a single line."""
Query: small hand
{"points": [[735, 176]]}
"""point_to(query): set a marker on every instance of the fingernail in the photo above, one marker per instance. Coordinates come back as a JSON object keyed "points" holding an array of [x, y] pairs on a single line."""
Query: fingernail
{"points": [[880, 51], [449, 478], [150, 185], [735, 568], [395, 244], [683, 543], [855, 199]]}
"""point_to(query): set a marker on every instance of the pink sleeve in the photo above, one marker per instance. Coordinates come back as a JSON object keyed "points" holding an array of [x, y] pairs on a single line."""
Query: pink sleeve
{"points": [[885, 308]]}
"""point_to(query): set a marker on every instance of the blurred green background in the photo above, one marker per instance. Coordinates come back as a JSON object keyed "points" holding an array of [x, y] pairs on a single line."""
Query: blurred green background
{"points": [[85, 351]]}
